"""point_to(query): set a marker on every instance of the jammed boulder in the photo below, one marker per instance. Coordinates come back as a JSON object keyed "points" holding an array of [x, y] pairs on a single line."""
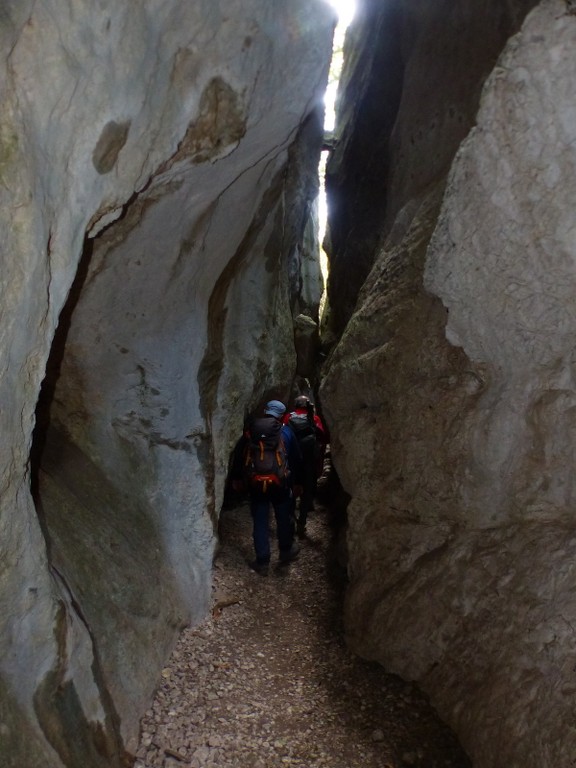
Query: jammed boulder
{"points": [[153, 208]]}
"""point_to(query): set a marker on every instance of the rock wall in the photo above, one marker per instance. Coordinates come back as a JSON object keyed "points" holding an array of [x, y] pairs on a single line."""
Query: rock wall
{"points": [[407, 98], [153, 204], [450, 395]]}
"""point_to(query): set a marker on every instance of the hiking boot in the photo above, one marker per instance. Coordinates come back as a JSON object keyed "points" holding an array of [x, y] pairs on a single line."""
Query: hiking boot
{"points": [[261, 568], [291, 554], [301, 530]]}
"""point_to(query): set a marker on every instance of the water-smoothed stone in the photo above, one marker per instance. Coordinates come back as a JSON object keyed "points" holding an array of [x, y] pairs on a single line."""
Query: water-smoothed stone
{"points": [[143, 159]]}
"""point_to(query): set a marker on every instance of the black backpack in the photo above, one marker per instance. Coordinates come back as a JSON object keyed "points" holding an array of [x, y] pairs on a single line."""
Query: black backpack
{"points": [[304, 428], [265, 456]]}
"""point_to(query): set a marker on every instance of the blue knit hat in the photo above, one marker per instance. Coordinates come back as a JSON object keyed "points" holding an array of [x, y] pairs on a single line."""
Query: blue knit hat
{"points": [[275, 408]]}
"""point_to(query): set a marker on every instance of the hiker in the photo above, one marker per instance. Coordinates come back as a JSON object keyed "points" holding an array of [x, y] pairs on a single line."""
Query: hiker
{"points": [[271, 471], [312, 439]]}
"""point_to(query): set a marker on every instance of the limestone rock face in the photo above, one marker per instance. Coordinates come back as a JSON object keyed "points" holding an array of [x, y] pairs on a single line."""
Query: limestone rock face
{"points": [[151, 187], [450, 401], [397, 134], [508, 286]]}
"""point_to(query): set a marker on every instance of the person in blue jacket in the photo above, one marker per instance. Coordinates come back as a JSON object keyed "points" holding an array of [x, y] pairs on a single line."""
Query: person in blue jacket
{"points": [[281, 497]]}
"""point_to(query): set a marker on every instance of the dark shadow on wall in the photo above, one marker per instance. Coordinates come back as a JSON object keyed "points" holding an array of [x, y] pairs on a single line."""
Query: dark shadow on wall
{"points": [[58, 707], [48, 386]]}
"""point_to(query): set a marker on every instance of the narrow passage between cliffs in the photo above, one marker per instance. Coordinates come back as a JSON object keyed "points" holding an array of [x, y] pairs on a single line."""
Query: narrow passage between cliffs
{"points": [[266, 680]]}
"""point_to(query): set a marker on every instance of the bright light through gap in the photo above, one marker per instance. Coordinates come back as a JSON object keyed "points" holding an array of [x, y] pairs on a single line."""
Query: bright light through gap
{"points": [[345, 10]]}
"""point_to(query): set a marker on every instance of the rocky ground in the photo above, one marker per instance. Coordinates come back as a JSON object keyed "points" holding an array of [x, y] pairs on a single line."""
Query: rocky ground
{"points": [[266, 681]]}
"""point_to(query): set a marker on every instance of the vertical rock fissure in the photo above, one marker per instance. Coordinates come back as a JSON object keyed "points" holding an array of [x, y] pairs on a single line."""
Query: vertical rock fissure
{"points": [[53, 368], [359, 160]]}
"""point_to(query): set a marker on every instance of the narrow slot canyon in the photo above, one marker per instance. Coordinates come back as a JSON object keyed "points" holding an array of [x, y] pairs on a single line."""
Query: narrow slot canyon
{"points": [[161, 282], [266, 679]]}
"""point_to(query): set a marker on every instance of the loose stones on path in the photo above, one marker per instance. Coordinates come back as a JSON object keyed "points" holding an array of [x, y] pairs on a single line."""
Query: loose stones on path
{"points": [[267, 681]]}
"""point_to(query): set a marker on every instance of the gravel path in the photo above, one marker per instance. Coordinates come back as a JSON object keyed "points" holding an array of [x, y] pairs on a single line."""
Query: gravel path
{"points": [[266, 681]]}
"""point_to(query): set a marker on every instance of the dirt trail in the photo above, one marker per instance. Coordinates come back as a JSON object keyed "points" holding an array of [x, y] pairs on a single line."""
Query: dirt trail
{"points": [[266, 681]]}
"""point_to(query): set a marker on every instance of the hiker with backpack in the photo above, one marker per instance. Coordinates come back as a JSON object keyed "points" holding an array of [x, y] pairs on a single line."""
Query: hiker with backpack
{"points": [[312, 439], [269, 466]]}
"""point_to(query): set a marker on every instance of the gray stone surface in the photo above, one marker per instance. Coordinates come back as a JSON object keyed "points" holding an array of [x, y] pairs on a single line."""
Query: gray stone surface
{"points": [[452, 420], [143, 149], [502, 261]]}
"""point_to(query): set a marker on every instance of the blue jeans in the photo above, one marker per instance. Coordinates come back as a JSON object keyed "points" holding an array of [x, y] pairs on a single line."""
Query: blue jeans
{"points": [[283, 504]]}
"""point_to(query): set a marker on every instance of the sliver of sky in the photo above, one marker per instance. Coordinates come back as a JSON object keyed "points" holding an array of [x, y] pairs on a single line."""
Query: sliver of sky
{"points": [[345, 10]]}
